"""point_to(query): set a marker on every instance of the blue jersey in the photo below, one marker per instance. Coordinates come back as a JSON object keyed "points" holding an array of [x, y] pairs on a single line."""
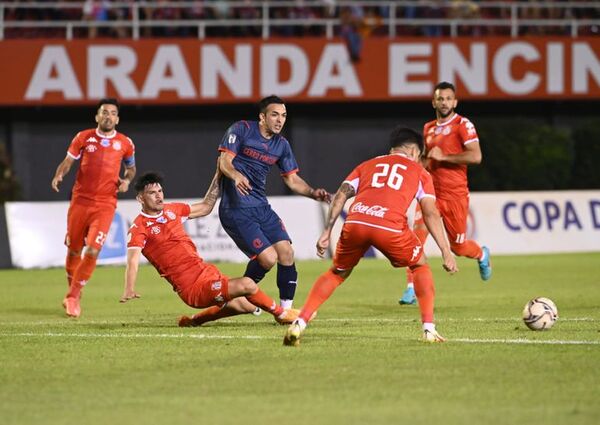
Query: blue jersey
{"points": [[254, 156]]}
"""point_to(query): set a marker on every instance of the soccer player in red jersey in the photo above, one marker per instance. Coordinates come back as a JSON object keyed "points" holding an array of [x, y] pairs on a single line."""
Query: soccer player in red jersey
{"points": [[94, 196], [384, 188], [451, 144], [158, 233]]}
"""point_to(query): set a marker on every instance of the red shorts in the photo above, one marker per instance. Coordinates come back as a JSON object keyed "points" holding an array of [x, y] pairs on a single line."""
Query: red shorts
{"points": [[401, 248], [210, 288], [454, 216], [88, 225]]}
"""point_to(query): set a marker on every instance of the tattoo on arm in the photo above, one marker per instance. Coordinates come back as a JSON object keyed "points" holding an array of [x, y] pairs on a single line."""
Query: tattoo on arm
{"points": [[344, 193], [213, 192]]}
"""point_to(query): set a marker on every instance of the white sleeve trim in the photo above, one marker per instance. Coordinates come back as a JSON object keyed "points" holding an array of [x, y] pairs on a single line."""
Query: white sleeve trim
{"points": [[135, 247], [73, 156], [354, 183], [476, 139]]}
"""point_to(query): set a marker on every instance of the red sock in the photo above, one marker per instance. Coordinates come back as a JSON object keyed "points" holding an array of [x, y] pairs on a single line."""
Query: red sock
{"points": [[425, 291], [82, 275], [319, 293], [71, 264], [262, 300], [214, 313], [469, 249]]}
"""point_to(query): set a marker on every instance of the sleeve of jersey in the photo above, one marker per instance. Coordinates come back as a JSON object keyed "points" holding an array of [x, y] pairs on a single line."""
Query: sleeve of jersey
{"points": [[135, 237], [76, 146], [353, 179], [182, 210], [287, 162], [129, 157], [234, 137], [426, 189], [467, 132]]}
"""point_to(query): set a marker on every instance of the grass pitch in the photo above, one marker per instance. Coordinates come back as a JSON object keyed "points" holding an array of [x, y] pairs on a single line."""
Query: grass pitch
{"points": [[360, 362]]}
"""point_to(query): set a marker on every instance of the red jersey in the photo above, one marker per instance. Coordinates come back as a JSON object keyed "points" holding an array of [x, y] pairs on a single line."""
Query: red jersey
{"points": [[97, 179], [385, 187], [449, 180], [167, 246]]}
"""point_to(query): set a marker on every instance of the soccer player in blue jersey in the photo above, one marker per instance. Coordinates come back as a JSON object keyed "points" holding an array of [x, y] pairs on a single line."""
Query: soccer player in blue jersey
{"points": [[248, 150]]}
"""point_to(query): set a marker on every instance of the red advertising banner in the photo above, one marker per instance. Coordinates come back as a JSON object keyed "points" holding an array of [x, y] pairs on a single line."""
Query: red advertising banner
{"points": [[181, 71]]}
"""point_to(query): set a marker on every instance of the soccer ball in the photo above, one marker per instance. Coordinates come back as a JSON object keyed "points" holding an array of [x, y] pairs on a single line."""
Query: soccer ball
{"points": [[540, 313]]}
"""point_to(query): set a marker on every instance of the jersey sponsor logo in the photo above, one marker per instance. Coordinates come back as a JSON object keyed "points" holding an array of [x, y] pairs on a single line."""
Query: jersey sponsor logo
{"points": [[91, 148], [92, 140], [375, 210], [231, 139], [170, 214], [257, 243], [117, 146], [105, 142], [259, 156], [216, 286], [155, 230], [446, 131]]}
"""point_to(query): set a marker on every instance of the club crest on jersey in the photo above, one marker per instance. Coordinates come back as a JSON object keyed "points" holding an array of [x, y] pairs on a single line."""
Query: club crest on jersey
{"points": [[216, 286], [446, 131], [257, 243], [92, 140], [117, 146], [375, 210], [155, 230], [170, 214], [438, 130], [231, 139], [105, 142], [91, 148], [161, 219]]}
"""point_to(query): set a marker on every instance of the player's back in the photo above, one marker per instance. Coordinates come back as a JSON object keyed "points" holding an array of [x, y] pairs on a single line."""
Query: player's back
{"points": [[385, 187]]}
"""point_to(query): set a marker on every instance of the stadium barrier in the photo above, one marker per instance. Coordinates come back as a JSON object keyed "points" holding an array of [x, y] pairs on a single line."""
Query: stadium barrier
{"points": [[507, 222]]}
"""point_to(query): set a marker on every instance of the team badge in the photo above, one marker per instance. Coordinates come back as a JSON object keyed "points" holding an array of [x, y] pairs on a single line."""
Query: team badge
{"points": [[170, 214], [117, 146], [231, 139], [161, 219], [216, 286], [438, 130], [446, 131], [105, 142], [257, 243], [155, 230]]}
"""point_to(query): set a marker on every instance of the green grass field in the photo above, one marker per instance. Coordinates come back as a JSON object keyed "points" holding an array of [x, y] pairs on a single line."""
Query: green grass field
{"points": [[360, 362]]}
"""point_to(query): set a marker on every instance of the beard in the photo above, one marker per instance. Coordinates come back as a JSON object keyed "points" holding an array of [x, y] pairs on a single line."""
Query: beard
{"points": [[445, 114]]}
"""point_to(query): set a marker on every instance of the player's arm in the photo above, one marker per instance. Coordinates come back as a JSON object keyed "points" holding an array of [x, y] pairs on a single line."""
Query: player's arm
{"points": [[433, 221], [131, 271], [62, 170], [471, 155], [300, 187], [242, 184], [345, 192], [127, 178], [204, 207]]}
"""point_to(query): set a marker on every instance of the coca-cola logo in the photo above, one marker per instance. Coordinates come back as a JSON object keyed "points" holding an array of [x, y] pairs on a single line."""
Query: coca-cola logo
{"points": [[375, 210]]}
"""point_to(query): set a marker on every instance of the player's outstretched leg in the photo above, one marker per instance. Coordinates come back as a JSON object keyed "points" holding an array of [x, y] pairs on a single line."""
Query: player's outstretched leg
{"points": [[430, 334], [485, 264], [232, 308]]}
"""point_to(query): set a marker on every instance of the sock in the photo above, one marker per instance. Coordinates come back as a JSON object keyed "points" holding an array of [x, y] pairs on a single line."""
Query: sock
{"points": [[319, 293], [287, 277], [409, 277], [71, 264], [214, 313], [262, 300], [255, 271], [82, 275], [286, 304], [469, 249], [425, 291], [410, 285], [429, 327]]}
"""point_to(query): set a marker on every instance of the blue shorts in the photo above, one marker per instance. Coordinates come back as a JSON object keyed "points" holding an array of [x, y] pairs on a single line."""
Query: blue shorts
{"points": [[253, 229]]}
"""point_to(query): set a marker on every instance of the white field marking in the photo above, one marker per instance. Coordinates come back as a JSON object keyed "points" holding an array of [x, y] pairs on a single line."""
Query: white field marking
{"points": [[256, 337], [330, 319]]}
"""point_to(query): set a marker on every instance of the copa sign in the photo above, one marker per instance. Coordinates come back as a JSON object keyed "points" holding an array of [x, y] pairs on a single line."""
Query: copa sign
{"points": [[550, 215]]}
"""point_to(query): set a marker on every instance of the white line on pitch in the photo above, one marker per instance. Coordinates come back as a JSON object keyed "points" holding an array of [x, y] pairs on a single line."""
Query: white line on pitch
{"points": [[523, 341]]}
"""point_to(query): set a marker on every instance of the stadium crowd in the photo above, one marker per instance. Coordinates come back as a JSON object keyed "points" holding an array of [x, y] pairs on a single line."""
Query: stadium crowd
{"points": [[360, 20]]}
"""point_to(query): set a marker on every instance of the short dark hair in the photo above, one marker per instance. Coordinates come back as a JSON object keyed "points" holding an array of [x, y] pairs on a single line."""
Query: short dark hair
{"points": [[150, 177], [108, 101], [443, 86], [401, 136], [266, 101]]}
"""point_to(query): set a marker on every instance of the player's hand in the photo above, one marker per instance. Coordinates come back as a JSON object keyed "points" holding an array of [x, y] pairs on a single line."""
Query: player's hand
{"points": [[55, 182], [123, 185], [436, 154], [129, 296], [449, 263], [321, 194], [242, 184], [323, 244]]}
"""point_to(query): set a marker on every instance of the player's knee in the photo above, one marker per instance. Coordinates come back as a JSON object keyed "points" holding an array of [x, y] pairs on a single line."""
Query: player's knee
{"points": [[268, 258], [341, 273], [92, 252], [458, 249], [286, 255], [75, 253], [248, 286]]}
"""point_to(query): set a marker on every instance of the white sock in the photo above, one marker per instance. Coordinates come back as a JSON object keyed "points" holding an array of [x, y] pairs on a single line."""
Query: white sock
{"points": [[410, 285], [429, 327], [300, 322], [286, 304]]}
